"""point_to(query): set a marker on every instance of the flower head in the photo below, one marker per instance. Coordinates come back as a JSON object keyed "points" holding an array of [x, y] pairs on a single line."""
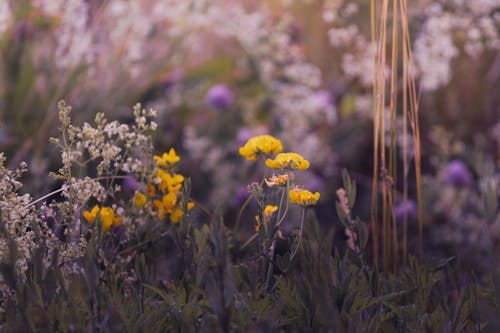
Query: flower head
{"points": [[408, 208], [303, 197], [139, 199], [167, 159], [91, 215], [105, 214], [276, 180], [219, 96], [457, 174], [269, 210], [261, 144], [170, 182], [288, 161]]}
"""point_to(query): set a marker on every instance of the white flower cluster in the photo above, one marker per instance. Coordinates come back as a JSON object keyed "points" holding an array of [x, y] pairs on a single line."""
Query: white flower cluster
{"points": [[15, 217], [448, 30], [4, 15], [111, 144]]}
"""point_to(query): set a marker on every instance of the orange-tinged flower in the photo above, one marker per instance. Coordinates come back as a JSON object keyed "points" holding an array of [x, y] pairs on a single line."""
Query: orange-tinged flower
{"points": [[91, 215], [259, 223], [261, 144], [276, 180], [139, 199], [176, 215], [166, 160], [303, 197], [288, 161], [269, 210], [151, 191]]}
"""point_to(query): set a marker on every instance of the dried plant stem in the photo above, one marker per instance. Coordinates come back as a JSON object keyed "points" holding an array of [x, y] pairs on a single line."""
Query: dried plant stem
{"points": [[385, 164]]}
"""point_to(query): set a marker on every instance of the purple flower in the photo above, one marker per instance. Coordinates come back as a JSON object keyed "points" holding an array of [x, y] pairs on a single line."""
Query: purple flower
{"points": [[324, 98], [219, 96], [457, 174], [130, 184], [409, 208]]}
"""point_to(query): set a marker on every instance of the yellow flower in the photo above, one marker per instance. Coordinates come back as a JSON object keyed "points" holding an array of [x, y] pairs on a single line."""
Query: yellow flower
{"points": [[259, 223], [303, 197], [261, 144], [167, 159], [172, 182], [288, 161], [139, 199], [166, 205], [106, 216], [269, 210], [276, 180], [176, 215], [91, 215]]}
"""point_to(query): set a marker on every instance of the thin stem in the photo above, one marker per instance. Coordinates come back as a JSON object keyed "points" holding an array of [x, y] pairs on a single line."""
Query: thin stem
{"points": [[242, 209], [280, 219], [302, 218]]}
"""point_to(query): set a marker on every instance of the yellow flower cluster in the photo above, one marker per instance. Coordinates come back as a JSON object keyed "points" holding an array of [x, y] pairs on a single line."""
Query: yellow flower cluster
{"points": [[303, 197], [288, 161], [261, 144], [105, 214], [165, 194], [167, 159]]}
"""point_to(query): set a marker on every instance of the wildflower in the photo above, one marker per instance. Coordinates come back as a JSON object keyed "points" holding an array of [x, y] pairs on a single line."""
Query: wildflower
{"points": [[172, 182], [176, 215], [288, 161], [106, 216], [167, 159], [130, 184], [151, 191], [259, 223], [139, 199], [457, 174], [343, 201], [409, 208], [276, 180], [91, 215], [269, 210], [303, 197], [219, 96], [261, 144]]}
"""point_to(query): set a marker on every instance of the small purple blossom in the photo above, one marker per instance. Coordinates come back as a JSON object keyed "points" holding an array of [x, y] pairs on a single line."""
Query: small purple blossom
{"points": [[409, 208], [457, 174], [324, 98], [130, 184], [219, 96]]}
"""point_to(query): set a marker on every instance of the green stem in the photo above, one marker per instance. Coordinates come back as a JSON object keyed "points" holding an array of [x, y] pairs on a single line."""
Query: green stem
{"points": [[280, 219], [302, 218], [242, 209]]}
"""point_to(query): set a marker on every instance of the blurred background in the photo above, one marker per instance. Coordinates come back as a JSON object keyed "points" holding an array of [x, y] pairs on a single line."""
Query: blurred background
{"points": [[219, 72]]}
